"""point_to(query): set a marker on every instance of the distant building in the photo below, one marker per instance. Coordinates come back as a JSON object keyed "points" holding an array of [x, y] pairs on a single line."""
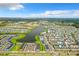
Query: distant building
{"points": [[29, 47]]}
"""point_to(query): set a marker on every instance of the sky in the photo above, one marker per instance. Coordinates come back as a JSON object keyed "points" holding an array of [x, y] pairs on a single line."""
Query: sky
{"points": [[40, 10]]}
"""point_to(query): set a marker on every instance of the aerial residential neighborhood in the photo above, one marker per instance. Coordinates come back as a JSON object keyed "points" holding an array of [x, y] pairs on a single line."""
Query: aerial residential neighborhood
{"points": [[39, 36], [38, 29]]}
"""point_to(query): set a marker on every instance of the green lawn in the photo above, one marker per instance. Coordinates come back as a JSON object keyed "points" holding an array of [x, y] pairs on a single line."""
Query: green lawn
{"points": [[14, 41], [16, 47], [38, 41]]}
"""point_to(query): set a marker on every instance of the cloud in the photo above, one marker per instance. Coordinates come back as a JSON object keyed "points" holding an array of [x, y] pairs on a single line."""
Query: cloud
{"points": [[12, 6], [57, 14]]}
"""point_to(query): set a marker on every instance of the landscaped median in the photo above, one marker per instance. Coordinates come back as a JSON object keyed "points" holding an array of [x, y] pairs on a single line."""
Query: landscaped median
{"points": [[38, 42]]}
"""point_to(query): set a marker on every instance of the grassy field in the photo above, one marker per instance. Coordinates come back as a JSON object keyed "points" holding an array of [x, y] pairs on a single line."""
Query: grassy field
{"points": [[38, 41], [14, 40]]}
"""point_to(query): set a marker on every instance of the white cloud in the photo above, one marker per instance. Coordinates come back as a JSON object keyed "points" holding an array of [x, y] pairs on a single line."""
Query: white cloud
{"points": [[76, 13], [57, 13], [16, 7], [12, 6]]}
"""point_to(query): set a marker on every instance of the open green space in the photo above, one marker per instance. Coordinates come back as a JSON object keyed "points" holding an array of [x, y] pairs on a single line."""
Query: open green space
{"points": [[16, 47], [38, 42], [14, 40]]}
